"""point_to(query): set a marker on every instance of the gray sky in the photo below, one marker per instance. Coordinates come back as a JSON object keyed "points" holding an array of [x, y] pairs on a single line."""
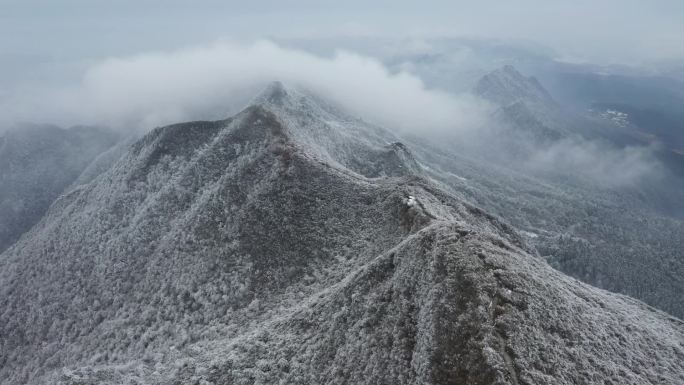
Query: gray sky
{"points": [[137, 64], [140, 62], [621, 31]]}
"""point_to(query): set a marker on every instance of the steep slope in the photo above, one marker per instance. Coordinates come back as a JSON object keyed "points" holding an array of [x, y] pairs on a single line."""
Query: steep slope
{"points": [[451, 306], [447, 305], [610, 239], [36, 164], [292, 244], [337, 138], [524, 105], [624, 238], [527, 107]]}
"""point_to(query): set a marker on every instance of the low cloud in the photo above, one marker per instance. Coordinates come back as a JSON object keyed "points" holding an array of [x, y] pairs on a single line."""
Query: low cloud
{"points": [[211, 82], [601, 164], [140, 92]]}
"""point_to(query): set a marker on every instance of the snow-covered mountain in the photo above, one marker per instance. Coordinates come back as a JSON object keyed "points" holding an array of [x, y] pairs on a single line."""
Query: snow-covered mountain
{"points": [[525, 105], [37, 163], [624, 238], [294, 244], [506, 86]]}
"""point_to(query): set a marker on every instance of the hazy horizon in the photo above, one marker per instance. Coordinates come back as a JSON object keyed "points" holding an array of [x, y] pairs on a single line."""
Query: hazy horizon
{"points": [[606, 32]]}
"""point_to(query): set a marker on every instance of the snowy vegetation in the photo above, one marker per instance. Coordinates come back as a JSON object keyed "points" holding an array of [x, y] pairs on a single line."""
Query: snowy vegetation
{"points": [[294, 244], [585, 218]]}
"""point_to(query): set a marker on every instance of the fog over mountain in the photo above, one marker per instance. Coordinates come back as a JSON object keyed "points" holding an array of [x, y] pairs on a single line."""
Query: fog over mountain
{"points": [[319, 193], [157, 272], [141, 91], [135, 93]]}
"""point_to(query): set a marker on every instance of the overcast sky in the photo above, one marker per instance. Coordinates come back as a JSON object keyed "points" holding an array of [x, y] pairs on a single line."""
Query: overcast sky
{"points": [[136, 64], [598, 30], [79, 61]]}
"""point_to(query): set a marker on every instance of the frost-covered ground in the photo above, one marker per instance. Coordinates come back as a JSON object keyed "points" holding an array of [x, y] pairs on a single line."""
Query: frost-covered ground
{"points": [[294, 244]]}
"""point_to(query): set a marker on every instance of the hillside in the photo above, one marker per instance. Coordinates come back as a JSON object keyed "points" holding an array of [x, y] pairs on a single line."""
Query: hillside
{"points": [[624, 238], [294, 244]]}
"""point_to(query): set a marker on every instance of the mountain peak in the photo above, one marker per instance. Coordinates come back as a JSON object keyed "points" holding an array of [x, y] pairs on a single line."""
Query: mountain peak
{"points": [[332, 136], [506, 86], [508, 68], [274, 92], [293, 244]]}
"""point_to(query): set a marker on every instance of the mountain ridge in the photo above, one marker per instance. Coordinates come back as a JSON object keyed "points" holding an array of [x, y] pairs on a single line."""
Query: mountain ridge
{"points": [[283, 245]]}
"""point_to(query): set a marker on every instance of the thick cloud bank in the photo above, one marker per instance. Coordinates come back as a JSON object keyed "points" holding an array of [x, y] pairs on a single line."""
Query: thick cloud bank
{"points": [[140, 92], [151, 89]]}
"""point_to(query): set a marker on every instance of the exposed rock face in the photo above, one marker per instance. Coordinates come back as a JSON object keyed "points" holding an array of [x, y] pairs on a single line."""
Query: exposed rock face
{"points": [[37, 163], [292, 244]]}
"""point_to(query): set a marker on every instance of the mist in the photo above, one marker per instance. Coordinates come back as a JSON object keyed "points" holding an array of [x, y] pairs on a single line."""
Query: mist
{"points": [[609, 31], [133, 94], [325, 192], [598, 163], [133, 66], [146, 90]]}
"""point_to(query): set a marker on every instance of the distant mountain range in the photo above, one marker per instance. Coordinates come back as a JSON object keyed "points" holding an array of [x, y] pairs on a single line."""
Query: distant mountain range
{"points": [[652, 98], [294, 244]]}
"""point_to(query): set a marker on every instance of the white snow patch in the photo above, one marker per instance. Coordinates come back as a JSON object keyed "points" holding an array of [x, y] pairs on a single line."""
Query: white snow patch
{"points": [[619, 118], [458, 176]]}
